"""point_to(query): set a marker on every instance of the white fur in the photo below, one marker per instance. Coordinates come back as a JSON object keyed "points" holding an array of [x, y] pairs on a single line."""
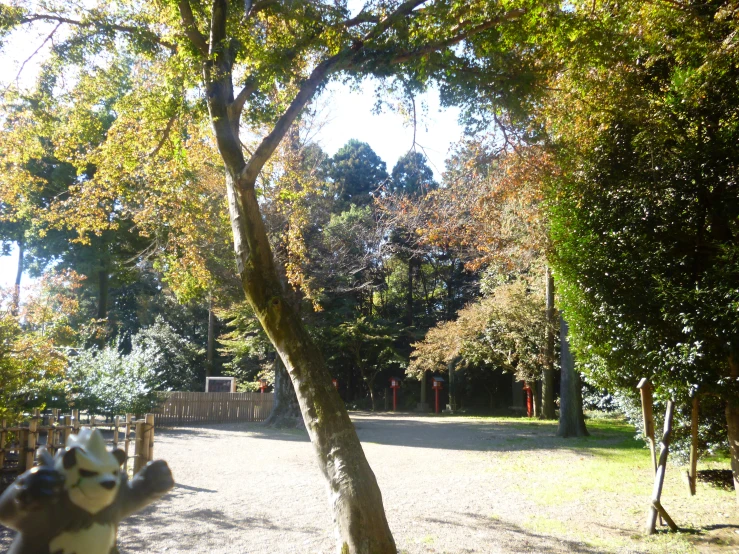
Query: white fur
{"points": [[96, 539]]}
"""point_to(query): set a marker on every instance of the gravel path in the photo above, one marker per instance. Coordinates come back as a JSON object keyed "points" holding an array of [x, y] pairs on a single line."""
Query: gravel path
{"points": [[450, 485]]}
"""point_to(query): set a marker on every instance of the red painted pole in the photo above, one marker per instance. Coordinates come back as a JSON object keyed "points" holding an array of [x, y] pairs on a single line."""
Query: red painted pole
{"points": [[395, 399], [437, 400]]}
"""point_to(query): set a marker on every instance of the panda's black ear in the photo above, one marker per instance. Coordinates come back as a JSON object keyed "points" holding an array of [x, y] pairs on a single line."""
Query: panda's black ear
{"points": [[120, 455], [70, 457]]}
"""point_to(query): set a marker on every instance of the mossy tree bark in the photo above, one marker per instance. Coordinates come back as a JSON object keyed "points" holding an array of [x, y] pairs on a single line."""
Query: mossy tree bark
{"points": [[286, 409], [571, 417]]}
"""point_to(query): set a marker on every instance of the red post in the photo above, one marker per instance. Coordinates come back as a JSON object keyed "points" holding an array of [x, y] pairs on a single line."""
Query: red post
{"points": [[529, 400], [436, 385], [262, 385], [395, 385]]}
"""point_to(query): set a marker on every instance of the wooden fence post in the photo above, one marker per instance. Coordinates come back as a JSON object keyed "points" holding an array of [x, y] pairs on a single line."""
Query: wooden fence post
{"points": [[32, 438], [75, 421], [51, 433], [645, 389], [692, 472], [138, 449], [659, 479], [2, 444], [68, 422], [127, 439], [116, 422], [150, 437]]}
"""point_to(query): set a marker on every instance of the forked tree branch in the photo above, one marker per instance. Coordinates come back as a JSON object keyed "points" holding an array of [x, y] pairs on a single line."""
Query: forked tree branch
{"points": [[103, 26], [191, 29], [272, 141], [403, 10], [237, 106], [446, 43]]}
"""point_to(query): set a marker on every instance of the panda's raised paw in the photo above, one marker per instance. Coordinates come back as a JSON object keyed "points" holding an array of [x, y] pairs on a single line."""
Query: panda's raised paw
{"points": [[38, 486], [157, 475]]}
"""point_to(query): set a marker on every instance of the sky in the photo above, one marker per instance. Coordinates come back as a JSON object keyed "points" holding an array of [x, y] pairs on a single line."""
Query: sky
{"points": [[346, 114]]}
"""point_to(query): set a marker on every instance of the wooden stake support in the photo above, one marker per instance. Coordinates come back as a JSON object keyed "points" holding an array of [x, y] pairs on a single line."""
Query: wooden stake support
{"points": [[656, 508], [149, 448], [692, 472], [139, 460], [645, 390]]}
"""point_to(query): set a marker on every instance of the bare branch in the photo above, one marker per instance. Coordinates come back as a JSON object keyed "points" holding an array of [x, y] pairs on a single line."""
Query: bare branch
{"points": [[359, 19], [29, 58], [165, 136], [103, 26], [404, 9], [442, 44], [271, 141], [191, 29]]}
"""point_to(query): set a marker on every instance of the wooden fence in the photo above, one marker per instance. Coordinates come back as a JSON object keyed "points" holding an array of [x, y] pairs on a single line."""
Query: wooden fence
{"points": [[18, 442], [186, 408]]}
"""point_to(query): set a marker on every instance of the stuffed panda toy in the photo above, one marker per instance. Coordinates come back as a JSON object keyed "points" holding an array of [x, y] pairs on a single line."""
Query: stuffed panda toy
{"points": [[72, 504]]}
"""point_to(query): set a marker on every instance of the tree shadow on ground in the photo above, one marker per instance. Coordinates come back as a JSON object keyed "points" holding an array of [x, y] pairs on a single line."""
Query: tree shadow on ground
{"points": [[518, 538], [225, 430], [200, 522], [487, 435]]}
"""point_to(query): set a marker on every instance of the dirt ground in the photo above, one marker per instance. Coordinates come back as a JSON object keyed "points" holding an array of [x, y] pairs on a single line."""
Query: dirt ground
{"points": [[450, 485]]}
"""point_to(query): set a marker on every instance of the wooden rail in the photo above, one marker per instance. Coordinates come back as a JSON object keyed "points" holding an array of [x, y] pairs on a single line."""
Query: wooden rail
{"points": [[19, 441], [187, 408]]}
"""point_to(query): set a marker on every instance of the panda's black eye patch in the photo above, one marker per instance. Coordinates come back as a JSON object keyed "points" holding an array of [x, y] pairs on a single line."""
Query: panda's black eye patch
{"points": [[88, 473]]}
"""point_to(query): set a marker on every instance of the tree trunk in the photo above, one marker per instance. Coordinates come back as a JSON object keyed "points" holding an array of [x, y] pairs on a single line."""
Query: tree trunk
{"points": [[547, 384], [732, 423], [285, 410], [15, 307], [571, 418], [536, 390], [409, 295], [423, 387], [210, 356], [359, 516], [372, 399], [451, 367], [103, 281]]}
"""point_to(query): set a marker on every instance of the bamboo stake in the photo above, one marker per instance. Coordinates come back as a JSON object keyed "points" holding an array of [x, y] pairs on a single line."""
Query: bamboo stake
{"points": [[76, 421], [656, 507], [3, 435], [22, 435], [67, 428], [692, 472], [127, 439], [138, 458], [150, 436], [32, 438], [51, 433]]}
